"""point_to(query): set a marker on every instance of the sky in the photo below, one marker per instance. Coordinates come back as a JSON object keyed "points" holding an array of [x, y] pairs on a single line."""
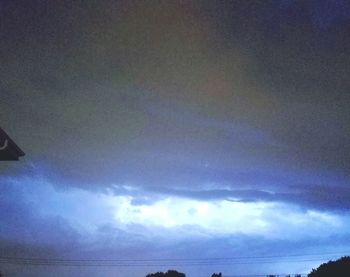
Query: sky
{"points": [[203, 136]]}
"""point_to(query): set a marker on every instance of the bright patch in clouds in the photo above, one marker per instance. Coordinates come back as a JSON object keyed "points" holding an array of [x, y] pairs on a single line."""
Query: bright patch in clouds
{"points": [[226, 217], [213, 217]]}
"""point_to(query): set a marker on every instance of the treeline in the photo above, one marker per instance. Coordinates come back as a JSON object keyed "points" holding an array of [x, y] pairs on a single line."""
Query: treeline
{"points": [[338, 268], [174, 273], [169, 273]]}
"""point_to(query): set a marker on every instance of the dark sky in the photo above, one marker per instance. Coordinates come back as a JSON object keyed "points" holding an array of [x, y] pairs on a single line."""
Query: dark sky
{"points": [[215, 128]]}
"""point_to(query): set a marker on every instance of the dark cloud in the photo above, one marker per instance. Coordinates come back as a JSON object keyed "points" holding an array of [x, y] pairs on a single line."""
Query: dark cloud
{"points": [[121, 92]]}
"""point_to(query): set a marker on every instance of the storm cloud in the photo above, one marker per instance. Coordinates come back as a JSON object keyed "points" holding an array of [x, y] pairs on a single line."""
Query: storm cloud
{"points": [[224, 102]]}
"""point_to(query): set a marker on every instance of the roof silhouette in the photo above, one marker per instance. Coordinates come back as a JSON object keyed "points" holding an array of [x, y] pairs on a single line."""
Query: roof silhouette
{"points": [[9, 150]]}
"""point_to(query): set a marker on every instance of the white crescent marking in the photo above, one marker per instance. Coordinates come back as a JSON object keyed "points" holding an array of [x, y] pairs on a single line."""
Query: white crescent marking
{"points": [[5, 145]]}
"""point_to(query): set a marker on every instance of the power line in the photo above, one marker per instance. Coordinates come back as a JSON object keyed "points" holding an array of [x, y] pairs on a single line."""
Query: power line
{"points": [[176, 259], [116, 263]]}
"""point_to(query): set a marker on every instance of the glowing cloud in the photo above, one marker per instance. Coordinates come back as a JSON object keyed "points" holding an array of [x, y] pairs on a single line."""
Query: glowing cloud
{"points": [[224, 217]]}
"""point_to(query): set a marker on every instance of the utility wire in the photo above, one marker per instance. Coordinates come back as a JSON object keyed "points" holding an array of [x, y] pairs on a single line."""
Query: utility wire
{"points": [[52, 262], [176, 259]]}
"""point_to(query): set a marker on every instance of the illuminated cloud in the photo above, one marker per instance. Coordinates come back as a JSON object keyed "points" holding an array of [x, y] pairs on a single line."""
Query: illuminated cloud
{"points": [[269, 220], [87, 212]]}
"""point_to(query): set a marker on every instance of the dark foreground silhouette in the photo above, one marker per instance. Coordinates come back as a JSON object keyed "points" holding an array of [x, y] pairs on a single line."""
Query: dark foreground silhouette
{"points": [[9, 150], [169, 273], [174, 273], [338, 268]]}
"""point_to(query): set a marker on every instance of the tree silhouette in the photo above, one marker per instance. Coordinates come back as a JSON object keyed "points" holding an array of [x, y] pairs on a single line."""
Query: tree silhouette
{"points": [[216, 275], [169, 273], [338, 268]]}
